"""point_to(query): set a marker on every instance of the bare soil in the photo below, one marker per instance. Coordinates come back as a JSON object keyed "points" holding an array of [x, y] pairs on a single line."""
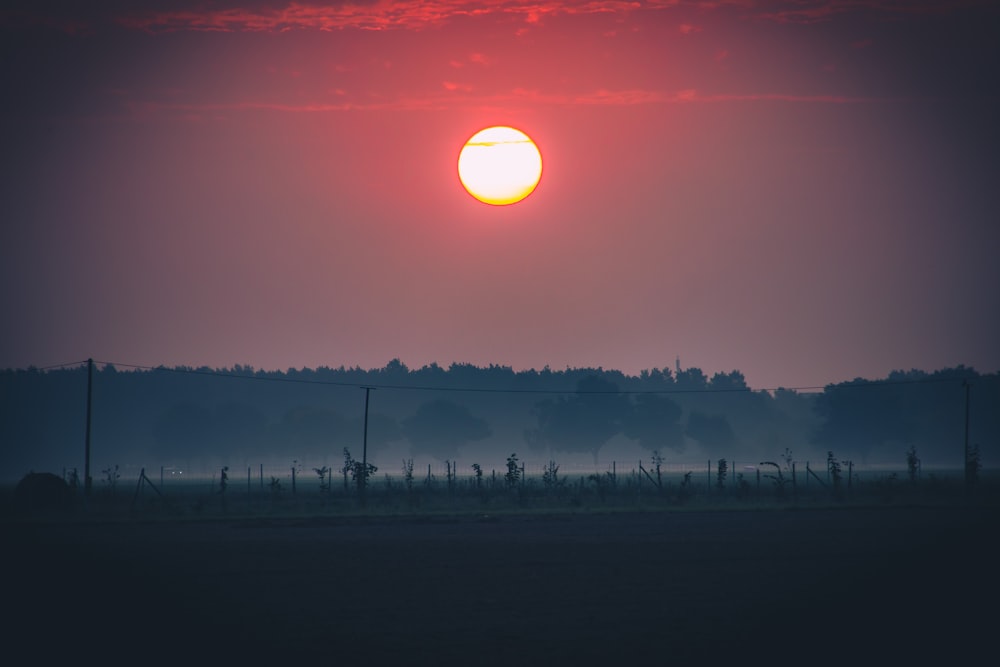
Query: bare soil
{"points": [[816, 586]]}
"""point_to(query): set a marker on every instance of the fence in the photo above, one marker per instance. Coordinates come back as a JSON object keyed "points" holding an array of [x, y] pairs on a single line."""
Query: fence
{"points": [[256, 490]]}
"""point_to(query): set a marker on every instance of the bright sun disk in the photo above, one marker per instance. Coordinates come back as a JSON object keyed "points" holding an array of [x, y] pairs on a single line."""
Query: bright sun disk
{"points": [[500, 165]]}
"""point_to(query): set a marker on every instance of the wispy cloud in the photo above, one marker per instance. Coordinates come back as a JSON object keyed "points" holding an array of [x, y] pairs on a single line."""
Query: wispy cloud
{"points": [[818, 11], [282, 15], [510, 99], [379, 15]]}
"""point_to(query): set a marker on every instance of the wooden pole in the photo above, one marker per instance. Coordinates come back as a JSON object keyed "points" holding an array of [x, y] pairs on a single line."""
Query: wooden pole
{"points": [[86, 446], [364, 450]]}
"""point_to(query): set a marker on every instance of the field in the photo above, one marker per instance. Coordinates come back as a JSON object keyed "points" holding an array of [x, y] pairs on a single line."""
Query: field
{"points": [[811, 585]]}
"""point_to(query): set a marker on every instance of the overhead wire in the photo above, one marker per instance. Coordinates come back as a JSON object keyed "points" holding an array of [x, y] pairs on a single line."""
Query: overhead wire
{"points": [[256, 376]]}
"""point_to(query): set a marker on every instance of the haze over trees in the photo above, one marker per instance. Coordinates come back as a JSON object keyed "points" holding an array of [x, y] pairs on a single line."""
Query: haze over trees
{"points": [[200, 418]]}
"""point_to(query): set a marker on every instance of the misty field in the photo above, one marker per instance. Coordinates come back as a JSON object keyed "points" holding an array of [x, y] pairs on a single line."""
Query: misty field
{"points": [[821, 584]]}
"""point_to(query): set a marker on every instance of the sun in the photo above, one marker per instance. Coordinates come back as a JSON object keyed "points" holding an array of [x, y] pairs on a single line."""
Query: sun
{"points": [[500, 165]]}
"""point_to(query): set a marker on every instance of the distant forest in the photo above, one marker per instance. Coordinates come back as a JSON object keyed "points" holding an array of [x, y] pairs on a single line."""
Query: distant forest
{"points": [[200, 418]]}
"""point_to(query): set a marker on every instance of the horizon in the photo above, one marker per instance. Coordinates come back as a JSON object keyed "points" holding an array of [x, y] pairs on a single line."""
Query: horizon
{"points": [[801, 191], [669, 371]]}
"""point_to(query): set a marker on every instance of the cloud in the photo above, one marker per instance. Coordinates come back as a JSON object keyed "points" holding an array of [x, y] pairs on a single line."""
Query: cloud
{"points": [[515, 98], [695, 96], [378, 15], [688, 29], [817, 11]]}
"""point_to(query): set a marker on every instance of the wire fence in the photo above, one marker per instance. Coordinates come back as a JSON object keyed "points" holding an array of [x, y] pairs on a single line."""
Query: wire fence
{"points": [[268, 491]]}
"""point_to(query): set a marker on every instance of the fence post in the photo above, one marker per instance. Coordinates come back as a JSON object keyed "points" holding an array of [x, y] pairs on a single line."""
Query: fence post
{"points": [[795, 486], [293, 480]]}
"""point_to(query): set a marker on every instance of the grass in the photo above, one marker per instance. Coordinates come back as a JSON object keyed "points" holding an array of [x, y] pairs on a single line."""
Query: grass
{"points": [[438, 501]]}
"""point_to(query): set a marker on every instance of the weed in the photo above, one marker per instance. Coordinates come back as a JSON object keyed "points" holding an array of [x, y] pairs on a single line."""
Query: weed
{"points": [[657, 462], [721, 471], [408, 474], [360, 472], [550, 477], [912, 463], [972, 467], [513, 475], [602, 484], [777, 478], [111, 476], [788, 459], [685, 490], [742, 486], [834, 470], [322, 473]]}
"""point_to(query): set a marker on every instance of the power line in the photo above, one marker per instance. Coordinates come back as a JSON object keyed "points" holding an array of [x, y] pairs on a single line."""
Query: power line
{"points": [[68, 364], [853, 384]]}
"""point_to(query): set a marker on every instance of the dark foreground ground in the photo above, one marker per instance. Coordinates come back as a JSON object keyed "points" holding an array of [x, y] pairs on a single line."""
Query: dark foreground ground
{"points": [[782, 587]]}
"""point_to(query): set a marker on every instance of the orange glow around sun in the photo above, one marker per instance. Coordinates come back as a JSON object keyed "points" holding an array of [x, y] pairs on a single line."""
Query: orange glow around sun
{"points": [[500, 165]]}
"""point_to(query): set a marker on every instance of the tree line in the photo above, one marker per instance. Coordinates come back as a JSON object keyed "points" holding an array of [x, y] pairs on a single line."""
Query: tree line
{"points": [[203, 416]]}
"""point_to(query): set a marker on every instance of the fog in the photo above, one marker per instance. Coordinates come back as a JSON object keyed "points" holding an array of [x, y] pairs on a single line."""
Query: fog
{"points": [[197, 420]]}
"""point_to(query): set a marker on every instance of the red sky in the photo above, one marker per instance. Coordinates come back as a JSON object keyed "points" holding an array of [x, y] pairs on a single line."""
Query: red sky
{"points": [[802, 190]]}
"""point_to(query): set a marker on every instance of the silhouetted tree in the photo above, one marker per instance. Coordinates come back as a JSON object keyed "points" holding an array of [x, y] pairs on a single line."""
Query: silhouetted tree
{"points": [[580, 422], [655, 422], [440, 427], [710, 430]]}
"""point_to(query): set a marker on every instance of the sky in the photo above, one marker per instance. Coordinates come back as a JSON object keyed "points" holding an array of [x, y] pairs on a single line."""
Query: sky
{"points": [[803, 190]]}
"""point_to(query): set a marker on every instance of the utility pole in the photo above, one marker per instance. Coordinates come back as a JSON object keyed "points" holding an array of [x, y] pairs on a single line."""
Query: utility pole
{"points": [[86, 446], [364, 450]]}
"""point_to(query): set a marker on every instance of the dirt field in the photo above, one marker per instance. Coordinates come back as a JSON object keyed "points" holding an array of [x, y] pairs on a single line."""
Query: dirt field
{"points": [[814, 586]]}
